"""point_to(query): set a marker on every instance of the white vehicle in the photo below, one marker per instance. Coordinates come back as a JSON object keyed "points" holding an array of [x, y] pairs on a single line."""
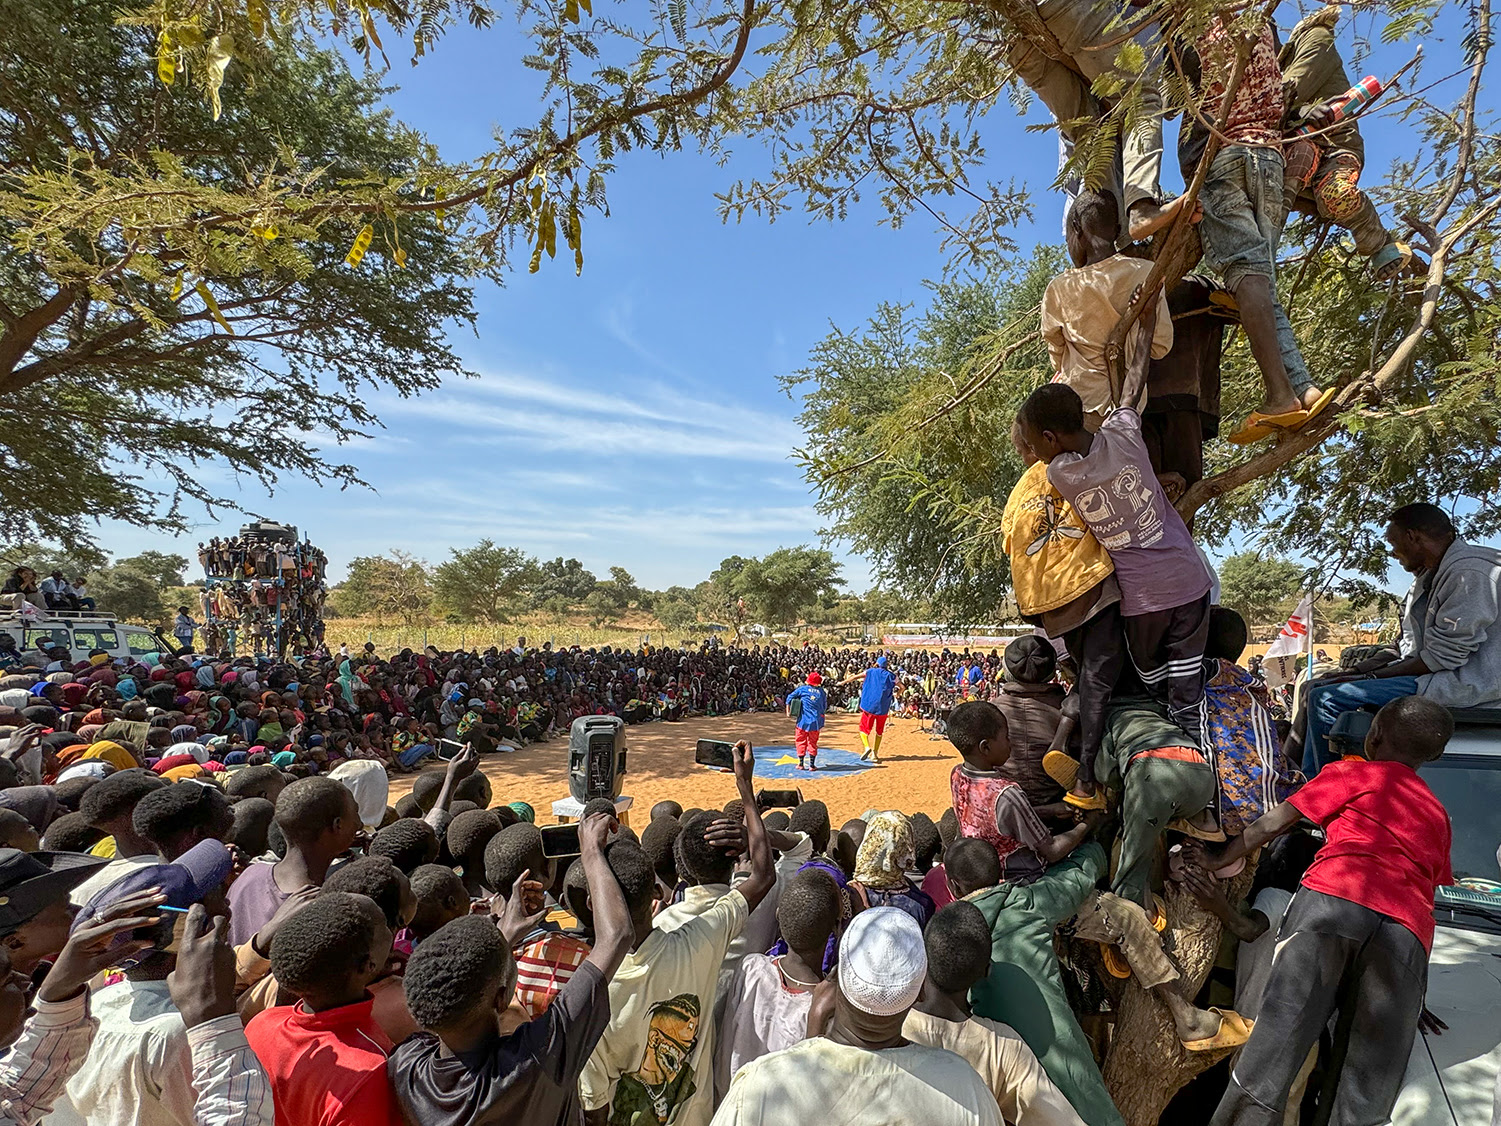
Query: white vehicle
{"points": [[82, 631], [1451, 1077]]}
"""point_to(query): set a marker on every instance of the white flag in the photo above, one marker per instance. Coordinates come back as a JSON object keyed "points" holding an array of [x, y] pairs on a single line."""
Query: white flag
{"points": [[1297, 634]]}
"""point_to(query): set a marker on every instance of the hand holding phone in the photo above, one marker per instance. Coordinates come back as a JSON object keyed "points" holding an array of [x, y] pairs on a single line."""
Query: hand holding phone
{"points": [[716, 753], [560, 840]]}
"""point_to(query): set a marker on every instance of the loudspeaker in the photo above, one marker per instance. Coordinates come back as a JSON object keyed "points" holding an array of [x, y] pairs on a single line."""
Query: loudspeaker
{"points": [[596, 757]]}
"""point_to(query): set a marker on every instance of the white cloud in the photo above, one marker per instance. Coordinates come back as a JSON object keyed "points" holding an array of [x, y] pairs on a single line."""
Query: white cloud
{"points": [[646, 419]]}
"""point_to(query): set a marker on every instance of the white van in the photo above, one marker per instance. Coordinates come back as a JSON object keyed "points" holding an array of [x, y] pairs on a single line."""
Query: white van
{"points": [[81, 631]]}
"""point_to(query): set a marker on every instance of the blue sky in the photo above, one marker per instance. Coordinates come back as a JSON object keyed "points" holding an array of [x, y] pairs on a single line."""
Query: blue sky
{"points": [[631, 416]]}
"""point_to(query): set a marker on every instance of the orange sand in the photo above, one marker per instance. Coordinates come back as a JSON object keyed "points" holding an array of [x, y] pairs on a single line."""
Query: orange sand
{"points": [[914, 774]]}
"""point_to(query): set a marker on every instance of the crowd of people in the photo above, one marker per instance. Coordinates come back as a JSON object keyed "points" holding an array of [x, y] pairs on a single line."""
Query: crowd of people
{"points": [[265, 592], [216, 914], [212, 913]]}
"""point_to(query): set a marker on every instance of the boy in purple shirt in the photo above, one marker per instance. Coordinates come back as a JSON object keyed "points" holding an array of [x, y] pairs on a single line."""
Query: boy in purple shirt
{"points": [[1107, 479]]}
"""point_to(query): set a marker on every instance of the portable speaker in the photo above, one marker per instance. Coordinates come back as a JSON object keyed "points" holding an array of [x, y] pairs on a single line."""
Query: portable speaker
{"points": [[596, 757]]}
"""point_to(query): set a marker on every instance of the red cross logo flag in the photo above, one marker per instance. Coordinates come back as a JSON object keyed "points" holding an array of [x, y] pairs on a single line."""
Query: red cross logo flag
{"points": [[1293, 642], [1297, 634]]}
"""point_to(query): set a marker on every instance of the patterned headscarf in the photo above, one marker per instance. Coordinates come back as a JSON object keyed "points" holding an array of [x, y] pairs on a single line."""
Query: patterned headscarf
{"points": [[887, 851]]}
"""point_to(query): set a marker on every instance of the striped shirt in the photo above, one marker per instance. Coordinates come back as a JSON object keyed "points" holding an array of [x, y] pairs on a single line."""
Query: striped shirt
{"points": [[543, 966]]}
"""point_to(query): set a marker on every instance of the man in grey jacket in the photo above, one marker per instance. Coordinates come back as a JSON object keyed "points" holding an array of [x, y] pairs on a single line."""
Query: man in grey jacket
{"points": [[1451, 643]]}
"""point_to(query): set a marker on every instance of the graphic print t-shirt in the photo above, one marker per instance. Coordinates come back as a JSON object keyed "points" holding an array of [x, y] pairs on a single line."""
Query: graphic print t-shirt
{"points": [[654, 1065], [1114, 491]]}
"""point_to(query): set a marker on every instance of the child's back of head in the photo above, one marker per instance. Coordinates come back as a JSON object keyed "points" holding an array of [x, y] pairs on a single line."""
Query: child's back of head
{"points": [[440, 896], [700, 862], [1410, 729], [958, 945], [463, 969], [808, 912], [972, 864], [972, 723]]}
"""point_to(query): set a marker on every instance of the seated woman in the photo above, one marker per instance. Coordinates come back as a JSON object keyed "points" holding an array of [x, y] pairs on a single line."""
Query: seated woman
{"points": [[886, 855]]}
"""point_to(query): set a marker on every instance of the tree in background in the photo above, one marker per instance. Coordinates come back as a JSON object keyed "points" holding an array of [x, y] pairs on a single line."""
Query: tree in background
{"points": [[612, 597], [677, 607], [484, 583], [166, 569], [778, 589], [561, 585], [43, 559], [129, 591], [1259, 588], [384, 587]]}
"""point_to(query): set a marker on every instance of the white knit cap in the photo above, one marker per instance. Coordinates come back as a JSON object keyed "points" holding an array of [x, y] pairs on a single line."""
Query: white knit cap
{"points": [[882, 961]]}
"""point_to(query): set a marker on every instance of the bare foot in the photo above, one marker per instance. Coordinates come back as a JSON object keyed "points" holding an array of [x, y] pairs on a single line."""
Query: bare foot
{"points": [[1311, 396], [1195, 1024], [1147, 218], [1286, 406]]}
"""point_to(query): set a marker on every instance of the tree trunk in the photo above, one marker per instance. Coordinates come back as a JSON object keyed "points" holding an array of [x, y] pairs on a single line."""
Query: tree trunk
{"points": [[1147, 1064]]}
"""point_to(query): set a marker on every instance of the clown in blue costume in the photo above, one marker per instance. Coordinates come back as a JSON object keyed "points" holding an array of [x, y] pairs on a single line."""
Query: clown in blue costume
{"points": [[875, 705]]}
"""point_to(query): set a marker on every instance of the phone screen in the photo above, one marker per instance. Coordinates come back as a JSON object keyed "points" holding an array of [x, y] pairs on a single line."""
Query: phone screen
{"points": [[715, 752], [779, 799], [560, 840], [448, 748]]}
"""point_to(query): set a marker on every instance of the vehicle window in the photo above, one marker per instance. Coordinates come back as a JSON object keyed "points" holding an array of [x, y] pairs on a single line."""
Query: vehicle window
{"points": [[86, 639], [142, 643], [56, 635], [1470, 788]]}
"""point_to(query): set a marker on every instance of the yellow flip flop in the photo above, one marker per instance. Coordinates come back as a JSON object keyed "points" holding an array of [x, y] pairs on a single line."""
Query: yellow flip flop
{"points": [[1095, 801], [1318, 406], [1200, 832], [1234, 1030], [1061, 768], [1115, 962], [1159, 913], [1258, 426]]}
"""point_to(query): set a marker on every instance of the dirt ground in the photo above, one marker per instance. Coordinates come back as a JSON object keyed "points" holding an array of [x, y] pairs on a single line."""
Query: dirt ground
{"points": [[913, 775]]}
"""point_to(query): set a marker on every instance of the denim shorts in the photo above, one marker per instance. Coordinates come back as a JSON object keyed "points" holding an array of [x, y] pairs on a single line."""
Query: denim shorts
{"points": [[1243, 213]]}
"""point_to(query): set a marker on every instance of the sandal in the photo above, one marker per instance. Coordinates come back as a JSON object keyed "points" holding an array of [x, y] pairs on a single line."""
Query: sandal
{"points": [[1115, 962], [1258, 426], [1094, 801], [1234, 1031], [1319, 404], [1061, 768]]}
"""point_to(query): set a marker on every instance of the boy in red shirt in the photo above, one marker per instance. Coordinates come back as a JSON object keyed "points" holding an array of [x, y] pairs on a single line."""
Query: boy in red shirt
{"points": [[326, 1055], [1357, 935]]}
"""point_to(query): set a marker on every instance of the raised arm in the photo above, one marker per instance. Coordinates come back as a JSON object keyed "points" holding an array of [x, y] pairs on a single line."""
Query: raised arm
{"points": [[763, 874], [613, 930], [461, 766]]}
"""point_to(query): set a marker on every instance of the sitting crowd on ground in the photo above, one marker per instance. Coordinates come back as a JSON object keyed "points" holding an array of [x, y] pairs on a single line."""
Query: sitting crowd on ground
{"points": [[201, 931]]}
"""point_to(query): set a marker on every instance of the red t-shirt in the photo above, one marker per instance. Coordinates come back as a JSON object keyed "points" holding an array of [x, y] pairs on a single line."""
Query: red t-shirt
{"points": [[1387, 840], [328, 1068]]}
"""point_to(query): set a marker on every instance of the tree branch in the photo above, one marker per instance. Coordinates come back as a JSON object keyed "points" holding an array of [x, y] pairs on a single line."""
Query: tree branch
{"points": [[21, 332]]}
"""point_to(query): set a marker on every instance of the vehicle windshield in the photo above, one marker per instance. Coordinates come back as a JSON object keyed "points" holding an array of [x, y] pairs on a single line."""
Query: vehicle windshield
{"points": [[1470, 788]]}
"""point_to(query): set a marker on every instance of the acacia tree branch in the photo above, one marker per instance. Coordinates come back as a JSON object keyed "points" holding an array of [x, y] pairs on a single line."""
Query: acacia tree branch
{"points": [[21, 331], [1467, 136], [608, 119]]}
